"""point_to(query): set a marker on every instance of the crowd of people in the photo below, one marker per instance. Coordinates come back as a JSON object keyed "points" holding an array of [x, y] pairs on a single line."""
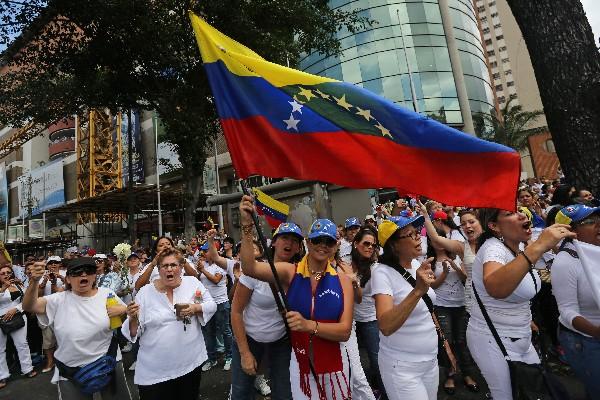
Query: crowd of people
{"points": [[424, 288]]}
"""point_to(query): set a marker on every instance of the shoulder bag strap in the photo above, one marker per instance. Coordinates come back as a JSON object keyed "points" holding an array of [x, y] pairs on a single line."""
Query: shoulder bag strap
{"points": [[413, 282], [490, 324]]}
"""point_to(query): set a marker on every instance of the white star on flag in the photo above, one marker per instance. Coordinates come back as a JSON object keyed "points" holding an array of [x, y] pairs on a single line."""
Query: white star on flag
{"points": [[296, 106], [291, 123]]}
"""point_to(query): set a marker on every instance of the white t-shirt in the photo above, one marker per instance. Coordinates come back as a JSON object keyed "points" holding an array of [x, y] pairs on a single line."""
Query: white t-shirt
{"points": [[456, 235], [417, 339], [217, 291], [230, 266], [572, 290], [81, 326], [262, 320], [7, 303], [511, 316], [365, 310], [132, 279], [345, 250], [167, 351], [451, 293]]}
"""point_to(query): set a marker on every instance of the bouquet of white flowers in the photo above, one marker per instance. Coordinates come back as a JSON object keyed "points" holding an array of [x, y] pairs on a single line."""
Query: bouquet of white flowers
{"points": [[122, 251]]}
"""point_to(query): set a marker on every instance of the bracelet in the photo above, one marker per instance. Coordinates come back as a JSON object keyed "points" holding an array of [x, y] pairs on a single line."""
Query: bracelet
{"points": [[247, 229], [313, 333], [531, 265]]}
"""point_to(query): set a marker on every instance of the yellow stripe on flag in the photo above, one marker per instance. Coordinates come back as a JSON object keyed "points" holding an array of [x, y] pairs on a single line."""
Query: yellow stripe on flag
{"points": [[270, 202], [242, 61]]}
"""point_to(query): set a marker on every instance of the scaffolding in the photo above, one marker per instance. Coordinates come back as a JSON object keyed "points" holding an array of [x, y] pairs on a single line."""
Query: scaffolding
{"points": [[99, 158]]}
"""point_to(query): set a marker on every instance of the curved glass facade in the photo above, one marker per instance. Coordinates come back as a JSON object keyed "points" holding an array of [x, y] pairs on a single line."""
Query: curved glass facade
{"points": [[408, 44]]}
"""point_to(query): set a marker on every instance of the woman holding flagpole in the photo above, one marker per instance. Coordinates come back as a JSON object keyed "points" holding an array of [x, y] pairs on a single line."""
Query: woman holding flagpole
{"points": [[319, 316], [579, 320]]}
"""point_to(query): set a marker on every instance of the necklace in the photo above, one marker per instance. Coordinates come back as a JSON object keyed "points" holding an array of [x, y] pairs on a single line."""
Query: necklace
{"points": [[317, 274]]}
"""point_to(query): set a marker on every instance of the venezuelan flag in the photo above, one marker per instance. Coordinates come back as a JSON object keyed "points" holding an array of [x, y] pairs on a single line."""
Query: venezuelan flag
{"points": [[275, 212], [280, 122]]}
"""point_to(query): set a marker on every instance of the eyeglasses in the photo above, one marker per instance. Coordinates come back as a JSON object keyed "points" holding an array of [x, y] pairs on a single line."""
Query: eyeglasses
{"points": [[327, 241], [167, 266], [81, 271], [368, 245], [415, 236], [589, 221]]}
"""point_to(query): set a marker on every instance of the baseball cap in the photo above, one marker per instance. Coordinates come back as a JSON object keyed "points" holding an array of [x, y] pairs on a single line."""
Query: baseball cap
{"points": [[53, 259], [289, 228], [323, 227], [388, 227], [72, 249], [99, 255], [352, 221], [439, 215], [80, 262], [370, 216], [575, 213], [132, 255]]}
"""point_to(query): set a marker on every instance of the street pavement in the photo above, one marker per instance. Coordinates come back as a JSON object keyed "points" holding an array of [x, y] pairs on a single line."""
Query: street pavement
{"points": [[215, 386]]}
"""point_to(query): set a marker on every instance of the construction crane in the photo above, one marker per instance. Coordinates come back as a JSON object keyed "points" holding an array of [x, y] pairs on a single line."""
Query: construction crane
{"points": [[20, 137]]}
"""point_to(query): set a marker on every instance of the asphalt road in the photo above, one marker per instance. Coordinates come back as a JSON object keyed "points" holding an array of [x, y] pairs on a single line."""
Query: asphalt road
{"points": [[215, 386]]}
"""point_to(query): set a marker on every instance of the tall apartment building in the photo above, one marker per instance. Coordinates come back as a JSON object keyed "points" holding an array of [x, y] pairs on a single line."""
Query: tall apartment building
{"points": [[425, 55], [513, 75]]}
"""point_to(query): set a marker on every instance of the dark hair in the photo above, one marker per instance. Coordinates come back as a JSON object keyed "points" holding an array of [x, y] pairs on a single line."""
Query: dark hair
{"points": [[229, 240], [106, 269], [296, 258], [364, 266], [561, 195], [487, 215], [431, 252], [388, 257], [155, 244]]}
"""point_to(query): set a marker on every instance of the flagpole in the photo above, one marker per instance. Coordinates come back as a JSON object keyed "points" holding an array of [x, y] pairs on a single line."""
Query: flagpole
{"points": [[280, 297]]}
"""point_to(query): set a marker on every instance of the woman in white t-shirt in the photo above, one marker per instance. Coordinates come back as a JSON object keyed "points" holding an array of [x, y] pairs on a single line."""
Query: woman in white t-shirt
{"points": [[80, 317], [504, 279], [259, 328], [579, 320], [408, 343], [213, 278], [166, 318], [363, 255], [11, 295]]}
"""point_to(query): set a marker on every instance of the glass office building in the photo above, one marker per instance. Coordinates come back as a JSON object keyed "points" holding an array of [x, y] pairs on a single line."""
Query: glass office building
{"points": [[406, 52]]}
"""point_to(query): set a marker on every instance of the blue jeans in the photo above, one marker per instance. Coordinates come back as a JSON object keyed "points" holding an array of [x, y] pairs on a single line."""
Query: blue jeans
{"points": [[583, 355], [368, 335], [279, 353], [218, 324]]}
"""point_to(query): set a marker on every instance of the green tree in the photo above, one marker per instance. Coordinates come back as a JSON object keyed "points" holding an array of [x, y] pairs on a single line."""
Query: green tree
{"points": [[511, 128], [73, 55], [566, 63]]}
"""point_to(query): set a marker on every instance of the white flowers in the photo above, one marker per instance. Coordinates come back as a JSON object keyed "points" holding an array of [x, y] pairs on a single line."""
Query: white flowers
{"points": [[122, 251]]}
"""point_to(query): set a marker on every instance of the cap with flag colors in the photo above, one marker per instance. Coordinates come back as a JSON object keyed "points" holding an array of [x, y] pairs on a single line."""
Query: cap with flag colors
{"points": [[270, 113], [274, 211], [575, 213]]}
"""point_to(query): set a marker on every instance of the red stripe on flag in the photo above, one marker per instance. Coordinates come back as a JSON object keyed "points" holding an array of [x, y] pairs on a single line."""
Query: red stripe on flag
{"points": [[365, 161]]}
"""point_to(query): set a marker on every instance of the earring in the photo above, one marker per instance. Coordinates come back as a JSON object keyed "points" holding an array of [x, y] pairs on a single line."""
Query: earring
{"points": [[501, 238]]}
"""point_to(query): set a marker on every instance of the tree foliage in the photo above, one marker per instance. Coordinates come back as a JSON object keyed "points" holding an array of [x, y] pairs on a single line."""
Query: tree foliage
{"points": [[512, 127], [72, 55]]}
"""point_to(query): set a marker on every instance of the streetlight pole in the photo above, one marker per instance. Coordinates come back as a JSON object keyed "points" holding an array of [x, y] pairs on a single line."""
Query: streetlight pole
{"points": [[160, 225], [130, 195]]}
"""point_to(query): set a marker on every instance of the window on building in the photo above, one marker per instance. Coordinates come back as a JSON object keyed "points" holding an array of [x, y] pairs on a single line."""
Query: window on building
{"points": [[488, 41], [483, 19], [508, 72], [510, 83], [494, 64], [496, 75], [497, 26], [505, 60], [481, 9], [501, 99], [492, 3], [494, 15], [499, 37], [486, 30], [503, 48], [498, 88], [549, 146], [491, 53]]}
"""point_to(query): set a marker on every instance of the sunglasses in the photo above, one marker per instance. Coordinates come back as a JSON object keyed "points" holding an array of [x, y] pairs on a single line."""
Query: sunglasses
{"points": [[326, 240], [80, 271], [368, 245]]}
